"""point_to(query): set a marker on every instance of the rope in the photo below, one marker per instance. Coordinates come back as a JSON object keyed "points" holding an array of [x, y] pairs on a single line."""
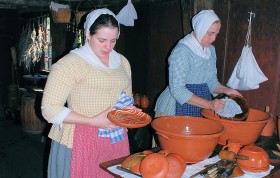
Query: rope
{"points": [[248, 35]]}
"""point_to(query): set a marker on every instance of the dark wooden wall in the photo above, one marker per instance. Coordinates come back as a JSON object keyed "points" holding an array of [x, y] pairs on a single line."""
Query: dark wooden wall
{"points": [[265, 46], [158, 28], [9, 29], [148, 43]]}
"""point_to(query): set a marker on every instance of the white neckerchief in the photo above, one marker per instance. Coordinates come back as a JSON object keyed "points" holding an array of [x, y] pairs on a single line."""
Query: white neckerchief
{"points": [[87, 54], [194, 45]]}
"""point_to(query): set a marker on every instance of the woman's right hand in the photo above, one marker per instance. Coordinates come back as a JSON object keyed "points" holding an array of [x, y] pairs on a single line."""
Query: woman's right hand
{"points": [[216, 104], [102, 121]]}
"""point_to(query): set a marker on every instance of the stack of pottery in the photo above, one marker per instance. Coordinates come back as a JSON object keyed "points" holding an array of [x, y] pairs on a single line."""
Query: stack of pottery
{"points": [[141, 101]]}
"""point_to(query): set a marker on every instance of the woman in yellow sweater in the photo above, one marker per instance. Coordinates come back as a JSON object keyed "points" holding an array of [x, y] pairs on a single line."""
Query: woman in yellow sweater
{"points": [[90, 79]]}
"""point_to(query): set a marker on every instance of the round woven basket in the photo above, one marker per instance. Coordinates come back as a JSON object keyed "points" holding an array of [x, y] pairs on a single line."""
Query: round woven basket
{"points": [[80, 13], [63, 15]]}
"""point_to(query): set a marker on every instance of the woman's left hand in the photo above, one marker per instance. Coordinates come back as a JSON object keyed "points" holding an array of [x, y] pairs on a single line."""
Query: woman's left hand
{"points": [[226, 90], [132, 107], [230, 91]]}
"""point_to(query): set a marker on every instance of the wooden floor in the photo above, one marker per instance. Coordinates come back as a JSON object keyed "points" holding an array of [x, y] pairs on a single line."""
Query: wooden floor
{"points": [[22, 155]]}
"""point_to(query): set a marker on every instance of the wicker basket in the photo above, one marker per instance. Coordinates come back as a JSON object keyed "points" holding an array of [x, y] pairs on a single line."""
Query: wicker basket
{"points": [[63, 15], [79, 14]]}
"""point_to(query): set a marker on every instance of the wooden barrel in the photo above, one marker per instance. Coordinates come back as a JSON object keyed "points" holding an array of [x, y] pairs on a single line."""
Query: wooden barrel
{"points": [[13, 97], [30, 122]]}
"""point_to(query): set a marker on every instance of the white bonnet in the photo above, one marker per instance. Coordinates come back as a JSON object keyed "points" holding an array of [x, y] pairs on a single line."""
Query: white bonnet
{"points": [[92, 16], [202, 21]]}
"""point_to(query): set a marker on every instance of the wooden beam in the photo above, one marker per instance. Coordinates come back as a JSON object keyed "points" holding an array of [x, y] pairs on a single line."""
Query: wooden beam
{"points": [[187, 12], [43, 5], [24, 3]]}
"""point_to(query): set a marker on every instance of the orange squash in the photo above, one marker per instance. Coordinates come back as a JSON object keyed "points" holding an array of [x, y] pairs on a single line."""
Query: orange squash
{"points": [[154, 165], [176, 167], [165, 152], [184, 164], [132, 160], [146, 152], [136, 168]]}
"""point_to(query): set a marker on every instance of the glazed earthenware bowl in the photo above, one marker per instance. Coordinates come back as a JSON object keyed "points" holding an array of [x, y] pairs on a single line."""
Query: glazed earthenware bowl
{"points": [[244, 132], [258, 159], [192, 138]]}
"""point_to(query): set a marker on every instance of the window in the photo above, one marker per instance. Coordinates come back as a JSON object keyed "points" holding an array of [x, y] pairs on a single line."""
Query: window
{"points": [[48, 45]]}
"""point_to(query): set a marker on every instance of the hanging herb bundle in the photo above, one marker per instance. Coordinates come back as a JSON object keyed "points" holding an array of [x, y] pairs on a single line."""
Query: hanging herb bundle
{"points": [[32, 44], [24, 42]]}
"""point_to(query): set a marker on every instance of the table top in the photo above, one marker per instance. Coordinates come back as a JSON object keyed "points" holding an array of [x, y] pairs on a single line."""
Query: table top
{"points": [[106, 165], [275, 172]]}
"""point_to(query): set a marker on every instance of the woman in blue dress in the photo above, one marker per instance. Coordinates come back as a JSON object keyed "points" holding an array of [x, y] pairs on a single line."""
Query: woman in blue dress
{"points": [[192, 71]]}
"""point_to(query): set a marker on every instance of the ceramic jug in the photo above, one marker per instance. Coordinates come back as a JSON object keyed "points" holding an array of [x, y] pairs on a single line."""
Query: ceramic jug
{"points": [[144, 101], [232, 146], [137, 99], [269, 127]]}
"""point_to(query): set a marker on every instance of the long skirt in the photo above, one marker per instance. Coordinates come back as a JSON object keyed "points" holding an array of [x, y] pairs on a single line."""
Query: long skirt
{"points": [[89, 151], [59, 161]]}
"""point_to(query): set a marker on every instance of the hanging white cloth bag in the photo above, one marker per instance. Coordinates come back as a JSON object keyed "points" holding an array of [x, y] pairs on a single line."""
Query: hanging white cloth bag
{"points": [[127, 15], [246, 75]]}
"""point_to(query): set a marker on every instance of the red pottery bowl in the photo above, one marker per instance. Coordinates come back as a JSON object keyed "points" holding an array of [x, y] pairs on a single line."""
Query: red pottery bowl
{"points": [[244, 132], [192, 138], [258, 159]]}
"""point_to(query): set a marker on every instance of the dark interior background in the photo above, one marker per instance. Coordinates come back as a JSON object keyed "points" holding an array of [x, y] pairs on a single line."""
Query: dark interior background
{"points": [[159, 26]]}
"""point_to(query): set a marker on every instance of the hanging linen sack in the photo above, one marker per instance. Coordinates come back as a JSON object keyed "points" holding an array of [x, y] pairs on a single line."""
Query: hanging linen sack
{"points": [[246, 75], [127, 14]]}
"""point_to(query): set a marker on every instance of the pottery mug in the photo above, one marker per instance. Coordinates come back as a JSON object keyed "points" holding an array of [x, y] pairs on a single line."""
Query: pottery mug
{"points": [[232, 146], [137, 99]]}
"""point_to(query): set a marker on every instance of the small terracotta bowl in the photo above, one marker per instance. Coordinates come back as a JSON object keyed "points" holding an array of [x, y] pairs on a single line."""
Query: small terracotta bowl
{"points": [[258, 159]]}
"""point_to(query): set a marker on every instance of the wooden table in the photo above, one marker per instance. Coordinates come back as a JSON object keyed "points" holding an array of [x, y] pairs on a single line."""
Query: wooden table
{"points": [[113, 162], [275, 172]]}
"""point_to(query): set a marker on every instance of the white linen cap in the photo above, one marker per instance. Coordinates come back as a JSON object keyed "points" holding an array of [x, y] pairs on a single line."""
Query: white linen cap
{"points": [[202, 21], [93, 15]]}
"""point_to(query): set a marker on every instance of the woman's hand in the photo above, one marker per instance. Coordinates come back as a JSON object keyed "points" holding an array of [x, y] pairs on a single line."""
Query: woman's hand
{"points": [[216, 104], [228, 91], [102, 121], [132, 107]]}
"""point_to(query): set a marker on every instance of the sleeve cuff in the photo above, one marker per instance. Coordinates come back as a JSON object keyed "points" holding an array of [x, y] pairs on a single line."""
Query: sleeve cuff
{"points": [[58, 119]]}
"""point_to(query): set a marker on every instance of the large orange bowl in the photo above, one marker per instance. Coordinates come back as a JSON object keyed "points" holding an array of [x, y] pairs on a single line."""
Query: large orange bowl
{"points": [[244, 132], [192, 138]]}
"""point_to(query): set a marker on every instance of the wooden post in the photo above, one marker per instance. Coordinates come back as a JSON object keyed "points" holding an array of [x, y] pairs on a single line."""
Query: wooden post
{"points": [[187, 13]]}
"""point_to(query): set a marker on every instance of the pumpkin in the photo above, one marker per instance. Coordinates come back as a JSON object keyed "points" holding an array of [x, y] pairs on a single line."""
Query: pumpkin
{"points": [[154, 165], [176, 164], [136, 168], [165, 152], [132, 160]]}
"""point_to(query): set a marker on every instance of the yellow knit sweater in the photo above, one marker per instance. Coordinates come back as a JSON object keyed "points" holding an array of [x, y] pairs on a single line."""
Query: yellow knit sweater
{"points": [[87, 89]]}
